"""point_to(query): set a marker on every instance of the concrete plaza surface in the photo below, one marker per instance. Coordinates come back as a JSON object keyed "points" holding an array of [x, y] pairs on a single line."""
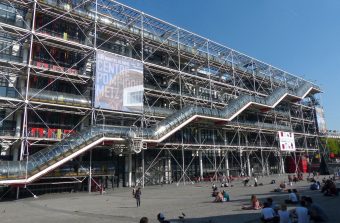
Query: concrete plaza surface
{"points": [[119, 206]]}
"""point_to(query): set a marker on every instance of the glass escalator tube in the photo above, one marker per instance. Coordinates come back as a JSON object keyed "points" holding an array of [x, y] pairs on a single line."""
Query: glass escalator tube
{"points": [[4, 169], [76, 142], [53, 152], [13, 169], [40, 159], [216, 113], [88, 135]]}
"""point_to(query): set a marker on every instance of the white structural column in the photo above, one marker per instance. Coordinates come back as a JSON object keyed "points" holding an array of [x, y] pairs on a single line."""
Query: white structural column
{"points": [[143, 169], [15, 152], [200, 156], [248, 164], [267, 166], [128, 169], [168, 174], [16, 147], [18, 118], [226, 160], [90, 173], [241, 163], [262, 163], [21, 81], [282, 164]]}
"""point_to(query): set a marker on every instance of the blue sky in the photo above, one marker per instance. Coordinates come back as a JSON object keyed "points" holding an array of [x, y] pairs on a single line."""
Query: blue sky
{"points": [[301, 37]]}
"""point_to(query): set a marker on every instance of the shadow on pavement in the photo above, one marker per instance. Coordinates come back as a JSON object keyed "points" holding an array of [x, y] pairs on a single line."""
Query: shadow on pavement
{"points": [[237, 218]]}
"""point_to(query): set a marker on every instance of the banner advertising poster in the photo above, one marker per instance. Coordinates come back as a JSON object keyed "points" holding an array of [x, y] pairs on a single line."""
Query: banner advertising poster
{"points": [[119, 83], [287, 141], [320, 117]]}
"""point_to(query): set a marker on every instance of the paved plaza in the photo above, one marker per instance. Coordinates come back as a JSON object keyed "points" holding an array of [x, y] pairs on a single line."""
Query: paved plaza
{"points": [[119, 206]]}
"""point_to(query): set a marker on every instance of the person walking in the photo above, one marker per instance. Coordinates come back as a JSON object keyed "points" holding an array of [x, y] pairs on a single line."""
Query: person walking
{"points": [[138, 194], [255, 182]]}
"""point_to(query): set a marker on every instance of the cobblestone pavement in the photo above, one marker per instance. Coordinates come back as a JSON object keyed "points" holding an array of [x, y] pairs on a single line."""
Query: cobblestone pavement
{"points": [[118, 206]]}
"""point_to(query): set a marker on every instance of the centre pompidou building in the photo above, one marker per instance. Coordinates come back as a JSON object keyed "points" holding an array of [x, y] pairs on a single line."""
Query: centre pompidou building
{"points": [[94, 92]]}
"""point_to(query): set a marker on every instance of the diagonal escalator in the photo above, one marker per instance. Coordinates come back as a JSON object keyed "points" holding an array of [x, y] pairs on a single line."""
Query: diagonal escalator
{"points": [[44, 161]]}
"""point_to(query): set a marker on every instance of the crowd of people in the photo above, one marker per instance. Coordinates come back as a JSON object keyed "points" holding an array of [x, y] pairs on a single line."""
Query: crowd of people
{"points": [[219, 195], [295, 209], [303, 210], [329, 188]]}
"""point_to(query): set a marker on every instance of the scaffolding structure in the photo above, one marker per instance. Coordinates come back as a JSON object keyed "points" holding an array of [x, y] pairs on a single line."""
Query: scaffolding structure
{"points": [[209, 111]]}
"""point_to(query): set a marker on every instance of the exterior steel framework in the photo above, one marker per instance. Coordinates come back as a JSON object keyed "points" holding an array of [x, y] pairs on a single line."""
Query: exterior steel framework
{"points": [[47, 65]]}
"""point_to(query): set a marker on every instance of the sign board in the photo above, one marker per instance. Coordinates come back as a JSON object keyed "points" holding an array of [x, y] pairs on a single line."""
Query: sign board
{"points": [[287, 141], [119, 83]]}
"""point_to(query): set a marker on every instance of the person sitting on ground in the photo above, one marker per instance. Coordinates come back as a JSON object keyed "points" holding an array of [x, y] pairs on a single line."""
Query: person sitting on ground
{"points": [[255, 204], [215, 191], [267, 213], [300, 176], [295, 179], [245, 182], [301, 213], [273, 182], [292, 198], [226, 197], [271, 202], [317, 214], [144, 220], [329, 189], [283, 185], [318, 183], [290, 179], [314, 186], [297, 194], [161, 218], [225, 184], [219, 197], [284, 215]]}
